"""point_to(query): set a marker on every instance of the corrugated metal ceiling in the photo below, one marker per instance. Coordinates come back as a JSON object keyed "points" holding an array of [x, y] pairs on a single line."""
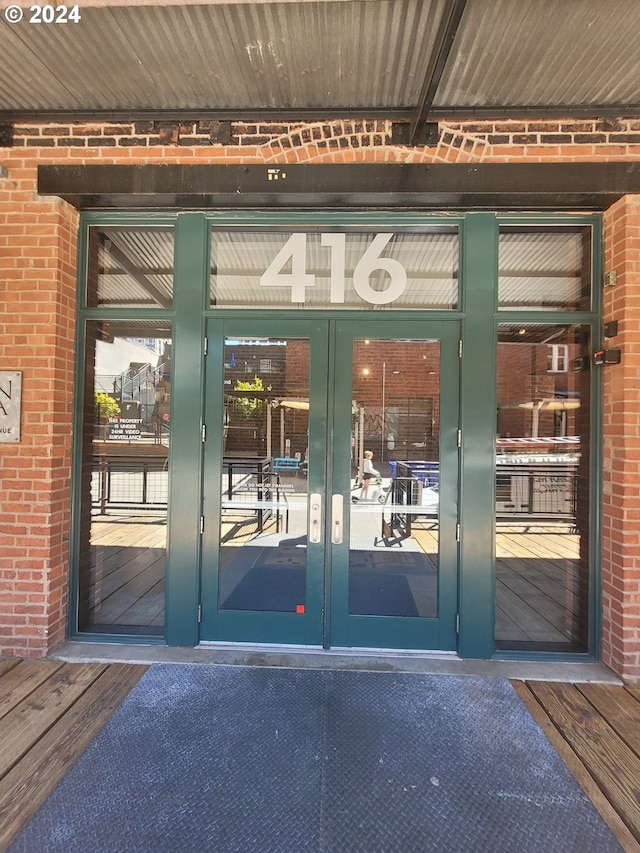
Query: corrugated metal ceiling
{"points": [[335, 58], [545, 52]]}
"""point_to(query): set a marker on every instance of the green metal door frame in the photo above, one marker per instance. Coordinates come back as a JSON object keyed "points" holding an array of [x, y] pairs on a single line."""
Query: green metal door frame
{"points": [[183, 557], [477, 313], [326, 620], [261, 627]]}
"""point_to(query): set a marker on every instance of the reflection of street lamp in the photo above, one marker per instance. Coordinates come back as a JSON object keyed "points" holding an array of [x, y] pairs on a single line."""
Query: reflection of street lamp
{"points": [[384, 382]]}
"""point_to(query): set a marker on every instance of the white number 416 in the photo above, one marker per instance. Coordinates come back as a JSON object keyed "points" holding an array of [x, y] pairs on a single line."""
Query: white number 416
{"points": [[298, 279]]}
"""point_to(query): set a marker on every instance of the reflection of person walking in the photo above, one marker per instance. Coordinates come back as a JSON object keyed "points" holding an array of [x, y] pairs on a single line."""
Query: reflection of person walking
{"points": [[368, 473]]}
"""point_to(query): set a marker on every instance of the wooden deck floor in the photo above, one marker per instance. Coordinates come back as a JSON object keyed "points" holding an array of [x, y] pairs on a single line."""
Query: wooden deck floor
{"points": [[538, 591], [540, 596], [50, 711], [595, 729]]}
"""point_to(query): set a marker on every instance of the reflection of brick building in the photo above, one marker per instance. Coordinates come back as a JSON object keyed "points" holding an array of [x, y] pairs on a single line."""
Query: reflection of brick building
{"points": [[538, 376], [404, 377]]}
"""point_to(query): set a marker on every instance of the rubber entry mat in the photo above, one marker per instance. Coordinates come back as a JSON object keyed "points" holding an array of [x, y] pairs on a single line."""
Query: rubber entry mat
{"points": [[259, 760]]}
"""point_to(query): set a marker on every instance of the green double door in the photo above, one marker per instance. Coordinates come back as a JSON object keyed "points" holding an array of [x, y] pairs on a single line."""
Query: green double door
{"points": [[330, 487]]}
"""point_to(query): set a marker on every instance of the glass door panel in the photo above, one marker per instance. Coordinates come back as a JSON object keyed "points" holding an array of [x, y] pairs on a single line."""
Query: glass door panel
{"points": [[264, 458], [263, 519], [394, 573], [393, 538]]}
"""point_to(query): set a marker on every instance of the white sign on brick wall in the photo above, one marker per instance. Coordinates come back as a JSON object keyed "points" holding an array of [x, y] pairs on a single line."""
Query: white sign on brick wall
{"points": [[10, 405]]}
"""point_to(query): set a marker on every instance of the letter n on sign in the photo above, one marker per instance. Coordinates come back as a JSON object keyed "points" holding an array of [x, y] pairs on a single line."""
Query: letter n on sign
{"points": [[10, 405]]}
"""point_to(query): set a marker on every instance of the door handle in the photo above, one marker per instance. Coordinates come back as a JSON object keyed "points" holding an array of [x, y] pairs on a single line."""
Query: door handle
{"points": [[315, 518], [337, 504]]}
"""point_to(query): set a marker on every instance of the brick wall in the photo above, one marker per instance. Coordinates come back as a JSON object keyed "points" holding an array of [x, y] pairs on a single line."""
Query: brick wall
{"points": [[37, 278], [336, 141], [37, 307], [621, 525]]}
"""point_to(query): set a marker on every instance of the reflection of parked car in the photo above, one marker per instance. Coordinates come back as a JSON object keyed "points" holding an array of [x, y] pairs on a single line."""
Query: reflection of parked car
{"points": [[430, 497]]}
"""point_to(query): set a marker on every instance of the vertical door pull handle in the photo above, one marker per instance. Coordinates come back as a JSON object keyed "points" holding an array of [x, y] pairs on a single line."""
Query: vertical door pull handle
{"points": [[337, 504], [315, 518]]}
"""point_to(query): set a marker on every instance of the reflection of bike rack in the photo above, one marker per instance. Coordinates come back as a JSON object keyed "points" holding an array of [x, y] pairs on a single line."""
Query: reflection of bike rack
{"points": [[406, 490], [250, 486], [396, 522]]}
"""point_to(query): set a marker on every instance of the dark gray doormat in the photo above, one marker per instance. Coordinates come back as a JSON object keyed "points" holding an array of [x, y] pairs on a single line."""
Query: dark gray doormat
{"points": [[223, 758]]}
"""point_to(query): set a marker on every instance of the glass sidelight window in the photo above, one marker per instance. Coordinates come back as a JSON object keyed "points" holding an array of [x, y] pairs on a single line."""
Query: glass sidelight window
{"points": [[547, 268], [542, 488], [126, 430]]}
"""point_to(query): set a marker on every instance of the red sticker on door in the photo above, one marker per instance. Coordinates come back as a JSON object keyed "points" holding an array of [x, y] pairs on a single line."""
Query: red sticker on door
{"points": [[299, 608]]}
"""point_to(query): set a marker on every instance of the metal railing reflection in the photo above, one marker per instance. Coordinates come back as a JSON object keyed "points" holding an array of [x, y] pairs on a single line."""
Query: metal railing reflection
{"points": [[129, 483]]}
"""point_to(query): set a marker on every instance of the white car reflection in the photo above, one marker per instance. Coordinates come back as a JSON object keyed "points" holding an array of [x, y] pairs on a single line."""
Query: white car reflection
{"points": [[430, 497], [383, 494]]}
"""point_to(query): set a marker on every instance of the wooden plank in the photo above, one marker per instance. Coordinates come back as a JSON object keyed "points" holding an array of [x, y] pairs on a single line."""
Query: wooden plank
{"points": [[577, 768], [28, 721], [557, 574], [529, 620], [132, 562], [26, 787], [542, 601], [533, 583], [519, 547], [137, 576], [505, 627], [113, 559], [619, 708], [129, 603], [601, 750], [117, 599], [548, 575], [110, 534], [146, 609], [23, 679], [7, 663], [559, 545]]}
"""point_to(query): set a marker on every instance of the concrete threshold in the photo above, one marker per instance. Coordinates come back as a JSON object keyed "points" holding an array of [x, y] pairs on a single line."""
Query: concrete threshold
{"points": [[434, 663]]}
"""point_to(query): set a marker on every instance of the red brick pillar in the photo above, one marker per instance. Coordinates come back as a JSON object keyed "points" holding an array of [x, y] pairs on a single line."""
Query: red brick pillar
{"points": [[621, 478], [37, 311]]}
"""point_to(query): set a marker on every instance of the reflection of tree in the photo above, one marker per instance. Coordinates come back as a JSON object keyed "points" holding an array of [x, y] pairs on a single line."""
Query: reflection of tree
{"points": [[249, 408], [105, 405]]}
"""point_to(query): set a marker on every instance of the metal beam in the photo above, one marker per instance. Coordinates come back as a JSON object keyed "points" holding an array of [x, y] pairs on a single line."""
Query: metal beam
{"points": [[438, 60], [473, 186], [250, 114], [407, 114], [138, 275]]}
